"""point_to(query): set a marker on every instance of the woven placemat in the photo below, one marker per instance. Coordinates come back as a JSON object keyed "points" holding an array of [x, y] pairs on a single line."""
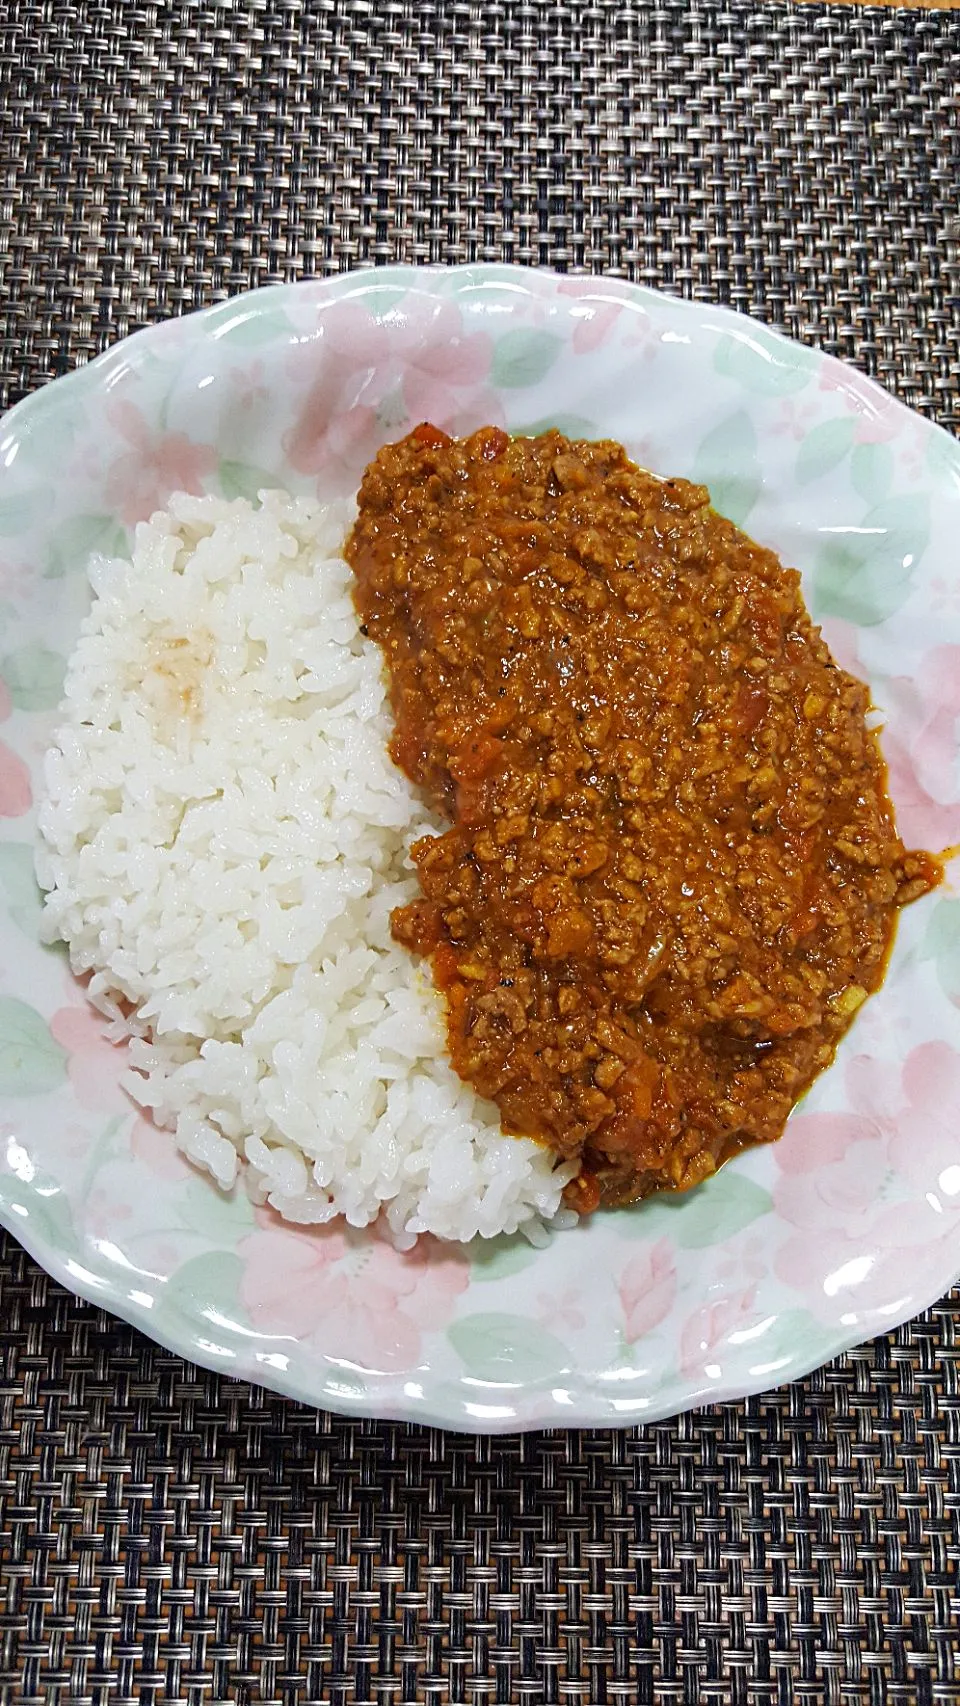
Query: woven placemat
{"points": [[169, 1535]]}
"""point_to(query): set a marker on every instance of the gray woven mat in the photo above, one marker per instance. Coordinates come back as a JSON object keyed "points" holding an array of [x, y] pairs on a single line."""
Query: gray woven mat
{"points": [[169, 1535]]}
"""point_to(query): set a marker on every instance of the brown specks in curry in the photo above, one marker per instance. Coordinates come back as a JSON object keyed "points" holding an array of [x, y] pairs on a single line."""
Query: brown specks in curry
{"points": [[673, 871]]}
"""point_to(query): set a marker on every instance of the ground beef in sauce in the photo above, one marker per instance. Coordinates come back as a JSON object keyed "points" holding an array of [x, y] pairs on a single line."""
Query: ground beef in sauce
{"points": [[673, 872]]}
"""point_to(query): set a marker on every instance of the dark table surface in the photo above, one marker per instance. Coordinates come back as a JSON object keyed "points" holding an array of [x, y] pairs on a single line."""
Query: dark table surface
{"points": [[167, 1534]]}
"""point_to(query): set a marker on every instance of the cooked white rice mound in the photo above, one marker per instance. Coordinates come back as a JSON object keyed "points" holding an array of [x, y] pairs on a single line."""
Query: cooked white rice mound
{"points": [[223, 840]]}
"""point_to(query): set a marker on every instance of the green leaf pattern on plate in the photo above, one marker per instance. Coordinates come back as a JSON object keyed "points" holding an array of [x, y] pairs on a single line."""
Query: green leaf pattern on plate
{"points": [[523, 358], [241, 480], [762, 367], [206, 1288], [19, 887], [74, 541], [34, 677], [505, 1348], [21, 512], [710, 1214], [941, 943], [864, 574], [242, 330], [823, 447], [871, 471], [51, 1216], [727, 464], [31, 1062], [211, 1212]]}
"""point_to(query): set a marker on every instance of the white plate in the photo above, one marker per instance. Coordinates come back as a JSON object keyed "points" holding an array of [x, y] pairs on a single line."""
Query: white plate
{"points": [[846, 1227]]}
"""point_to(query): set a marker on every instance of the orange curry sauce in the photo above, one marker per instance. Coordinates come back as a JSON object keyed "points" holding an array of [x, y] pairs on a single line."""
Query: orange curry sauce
{"points": [[672, 873]]}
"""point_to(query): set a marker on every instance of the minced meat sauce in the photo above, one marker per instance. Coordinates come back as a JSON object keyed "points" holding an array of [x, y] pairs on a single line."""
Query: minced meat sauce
{"points": [[672, 873]]}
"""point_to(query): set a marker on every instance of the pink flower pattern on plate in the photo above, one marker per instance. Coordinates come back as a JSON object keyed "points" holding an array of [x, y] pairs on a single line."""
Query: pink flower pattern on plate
{"points": [[370, 380], [945, 595], [596, 321], [835, 1172], [104, 1210], [371, 1304], [444, 369], [920, 738], [561, 1310], [142, 477], [250, 388], [795, 419], [879, 417], [647, 1288], [705, 1329], [15, 580], [922, 749], [16, 794], [95, 1064], [157, 1149]]}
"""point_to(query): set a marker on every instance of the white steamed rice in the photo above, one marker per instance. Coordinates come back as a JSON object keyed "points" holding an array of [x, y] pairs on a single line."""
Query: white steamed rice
{"points": [[223, 840]]}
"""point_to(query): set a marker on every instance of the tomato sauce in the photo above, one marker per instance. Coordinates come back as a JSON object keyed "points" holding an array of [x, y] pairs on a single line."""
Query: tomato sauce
{"points": [[672, 872]]}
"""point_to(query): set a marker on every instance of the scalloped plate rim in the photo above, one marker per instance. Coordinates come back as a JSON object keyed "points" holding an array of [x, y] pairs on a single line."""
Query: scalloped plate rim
{"points": [[589, 1411]]}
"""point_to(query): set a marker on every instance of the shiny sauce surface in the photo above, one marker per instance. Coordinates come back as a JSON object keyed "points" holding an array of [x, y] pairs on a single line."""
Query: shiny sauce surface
{"points": [[672, 871]]}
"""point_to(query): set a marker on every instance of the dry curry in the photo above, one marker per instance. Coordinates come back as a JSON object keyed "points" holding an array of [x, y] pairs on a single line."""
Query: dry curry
{"points": [[672, 873]]}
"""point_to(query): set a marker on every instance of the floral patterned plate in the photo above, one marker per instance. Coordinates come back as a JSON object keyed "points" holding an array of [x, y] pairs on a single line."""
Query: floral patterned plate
{"points": [[847, 1226]]}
